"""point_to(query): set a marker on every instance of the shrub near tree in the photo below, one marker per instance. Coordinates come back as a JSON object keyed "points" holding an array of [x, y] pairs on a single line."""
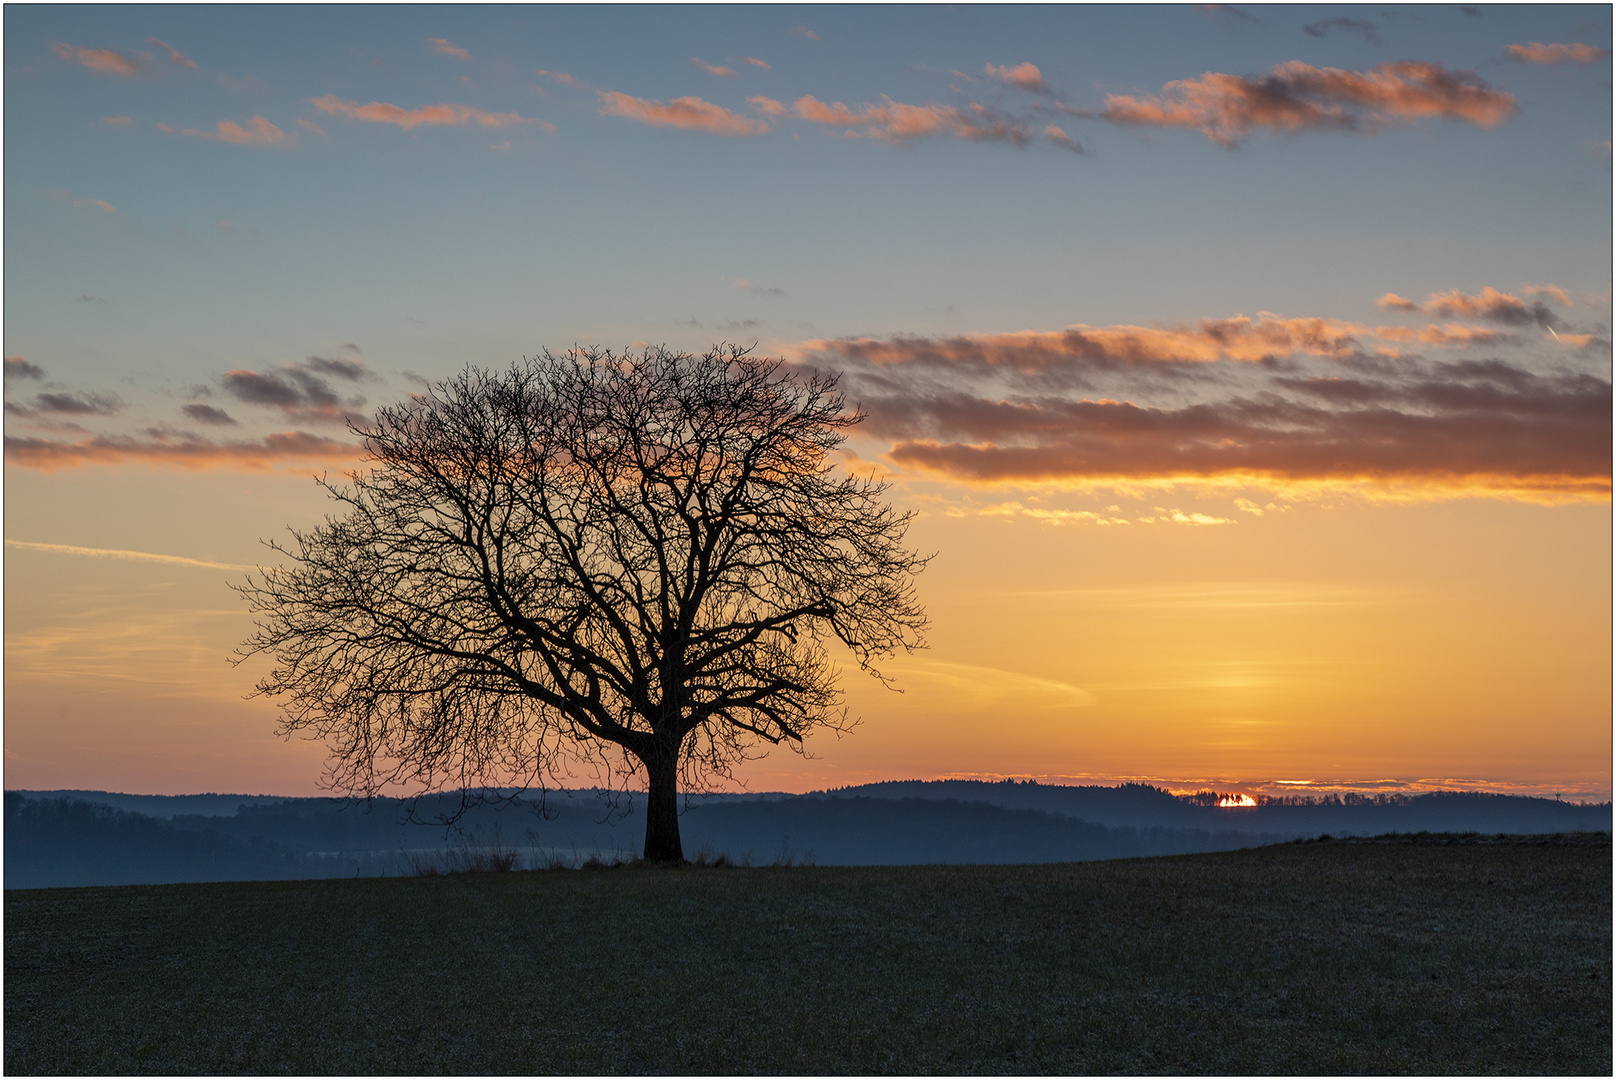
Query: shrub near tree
{"points": [[636, 561]]}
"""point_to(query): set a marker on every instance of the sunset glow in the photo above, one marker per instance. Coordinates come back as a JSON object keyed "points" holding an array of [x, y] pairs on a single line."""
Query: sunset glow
{"points": [[1252, 387]]}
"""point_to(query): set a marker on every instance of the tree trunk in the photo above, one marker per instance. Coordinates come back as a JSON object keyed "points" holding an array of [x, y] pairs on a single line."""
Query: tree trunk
{"points": [[662, 809]]}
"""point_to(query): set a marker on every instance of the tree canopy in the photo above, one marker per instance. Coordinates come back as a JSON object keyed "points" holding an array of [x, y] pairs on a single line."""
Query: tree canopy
{"points": [[637, 560]]}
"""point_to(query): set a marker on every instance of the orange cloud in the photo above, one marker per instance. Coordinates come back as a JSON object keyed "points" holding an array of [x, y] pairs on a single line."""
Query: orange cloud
{"points": [[1553, 292], [95, 204], [1535, 52], [686, 112], [1296, 96], [711, 69], [174, 55], [755, 62], [378, 112], [1024, 75], [803, 31], [258, 132], [894, 122], [766, 106], [1492, 305], [1239, 339], [1393, 302], [169, 450], [559, 76], [103, 60], [447, 48], [1450, 334]]}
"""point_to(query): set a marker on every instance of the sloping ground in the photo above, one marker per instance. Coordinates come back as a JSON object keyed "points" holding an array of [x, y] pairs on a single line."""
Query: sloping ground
{"points": [[1417, 956]]}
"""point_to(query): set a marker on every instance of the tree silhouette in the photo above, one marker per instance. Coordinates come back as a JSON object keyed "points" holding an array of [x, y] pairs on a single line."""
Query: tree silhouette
{"points": [[636, 560]]}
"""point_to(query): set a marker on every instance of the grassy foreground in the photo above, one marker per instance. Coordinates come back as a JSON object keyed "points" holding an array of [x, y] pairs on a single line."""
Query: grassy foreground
{"points": [[1302, 958]]}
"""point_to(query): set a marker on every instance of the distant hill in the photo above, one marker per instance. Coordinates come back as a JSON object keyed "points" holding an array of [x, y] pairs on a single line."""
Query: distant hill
{"points": [[104, 838]]}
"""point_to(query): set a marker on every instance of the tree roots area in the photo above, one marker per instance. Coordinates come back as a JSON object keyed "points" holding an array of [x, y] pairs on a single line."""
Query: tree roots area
{"points": [[1320, 957]]}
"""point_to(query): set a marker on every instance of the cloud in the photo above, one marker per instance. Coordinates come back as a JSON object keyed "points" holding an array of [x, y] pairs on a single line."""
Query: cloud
{"points": [[174, 55], [299, 390], [258, 132], [117, 121], [378, 112], [1272, 401], [743, 285], [559, 76], [1393, 302], [711, 69], [755, 62], [1296, 96], [1060, 138], [165, 449], [1238, 339], [1351, 26], [95, 204], [897, 123], [446, 48], [311, 126], [80, 404], [20, 367], [1492, 306], [804, 32], [1537, 53], [1024, 76], [1228, 10], [115, 553], [88, 299], [207, 414], [691, 113], [1553, 292], [103, 60], [767, 106]]}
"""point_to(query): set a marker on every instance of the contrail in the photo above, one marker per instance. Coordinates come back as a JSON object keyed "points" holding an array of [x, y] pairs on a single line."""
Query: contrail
{"points": [[113, 553]]}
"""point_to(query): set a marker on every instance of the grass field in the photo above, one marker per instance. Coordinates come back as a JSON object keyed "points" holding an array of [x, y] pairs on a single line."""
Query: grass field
{"points": [[1336, 957]]}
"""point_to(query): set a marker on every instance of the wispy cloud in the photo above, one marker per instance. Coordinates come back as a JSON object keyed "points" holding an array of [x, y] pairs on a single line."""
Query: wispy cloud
{"points": [[1361, 27], [105, 61], [1534, 52], [20, 367], [755, 62], [804, 32], [1296, 96], [300, 391], [1227, 11], [117, 121], [444, 47], [98, 205], [127, 556], [711, 69], [175, 57], [78, 404], [207, 414], [898, 123], [377, 112], [164, 449], [1489, 305], [691, 113], [258, 132]]}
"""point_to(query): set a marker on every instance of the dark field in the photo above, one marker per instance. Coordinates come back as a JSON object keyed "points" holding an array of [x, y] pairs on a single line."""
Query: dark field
{"points": [[1334, 957]]}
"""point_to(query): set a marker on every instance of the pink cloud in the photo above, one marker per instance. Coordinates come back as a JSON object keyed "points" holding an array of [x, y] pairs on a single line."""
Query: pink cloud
{"points": [[1393, 302], [804, 32], [258, 132], [447, 48], [711, 69], [378, 112], [1024, 75], [894, 122], [1537, 53], [755, 62], [310, 125], [766, 106], [95, 204], [691, 113], [559, 76], [173, 450], [1297, 96], [117, 121], [174, 55], [1553, 292], [103, 60]]}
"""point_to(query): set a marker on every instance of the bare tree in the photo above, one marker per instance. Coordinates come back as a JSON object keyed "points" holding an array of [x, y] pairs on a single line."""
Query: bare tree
{"points": [[636, 560]]}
